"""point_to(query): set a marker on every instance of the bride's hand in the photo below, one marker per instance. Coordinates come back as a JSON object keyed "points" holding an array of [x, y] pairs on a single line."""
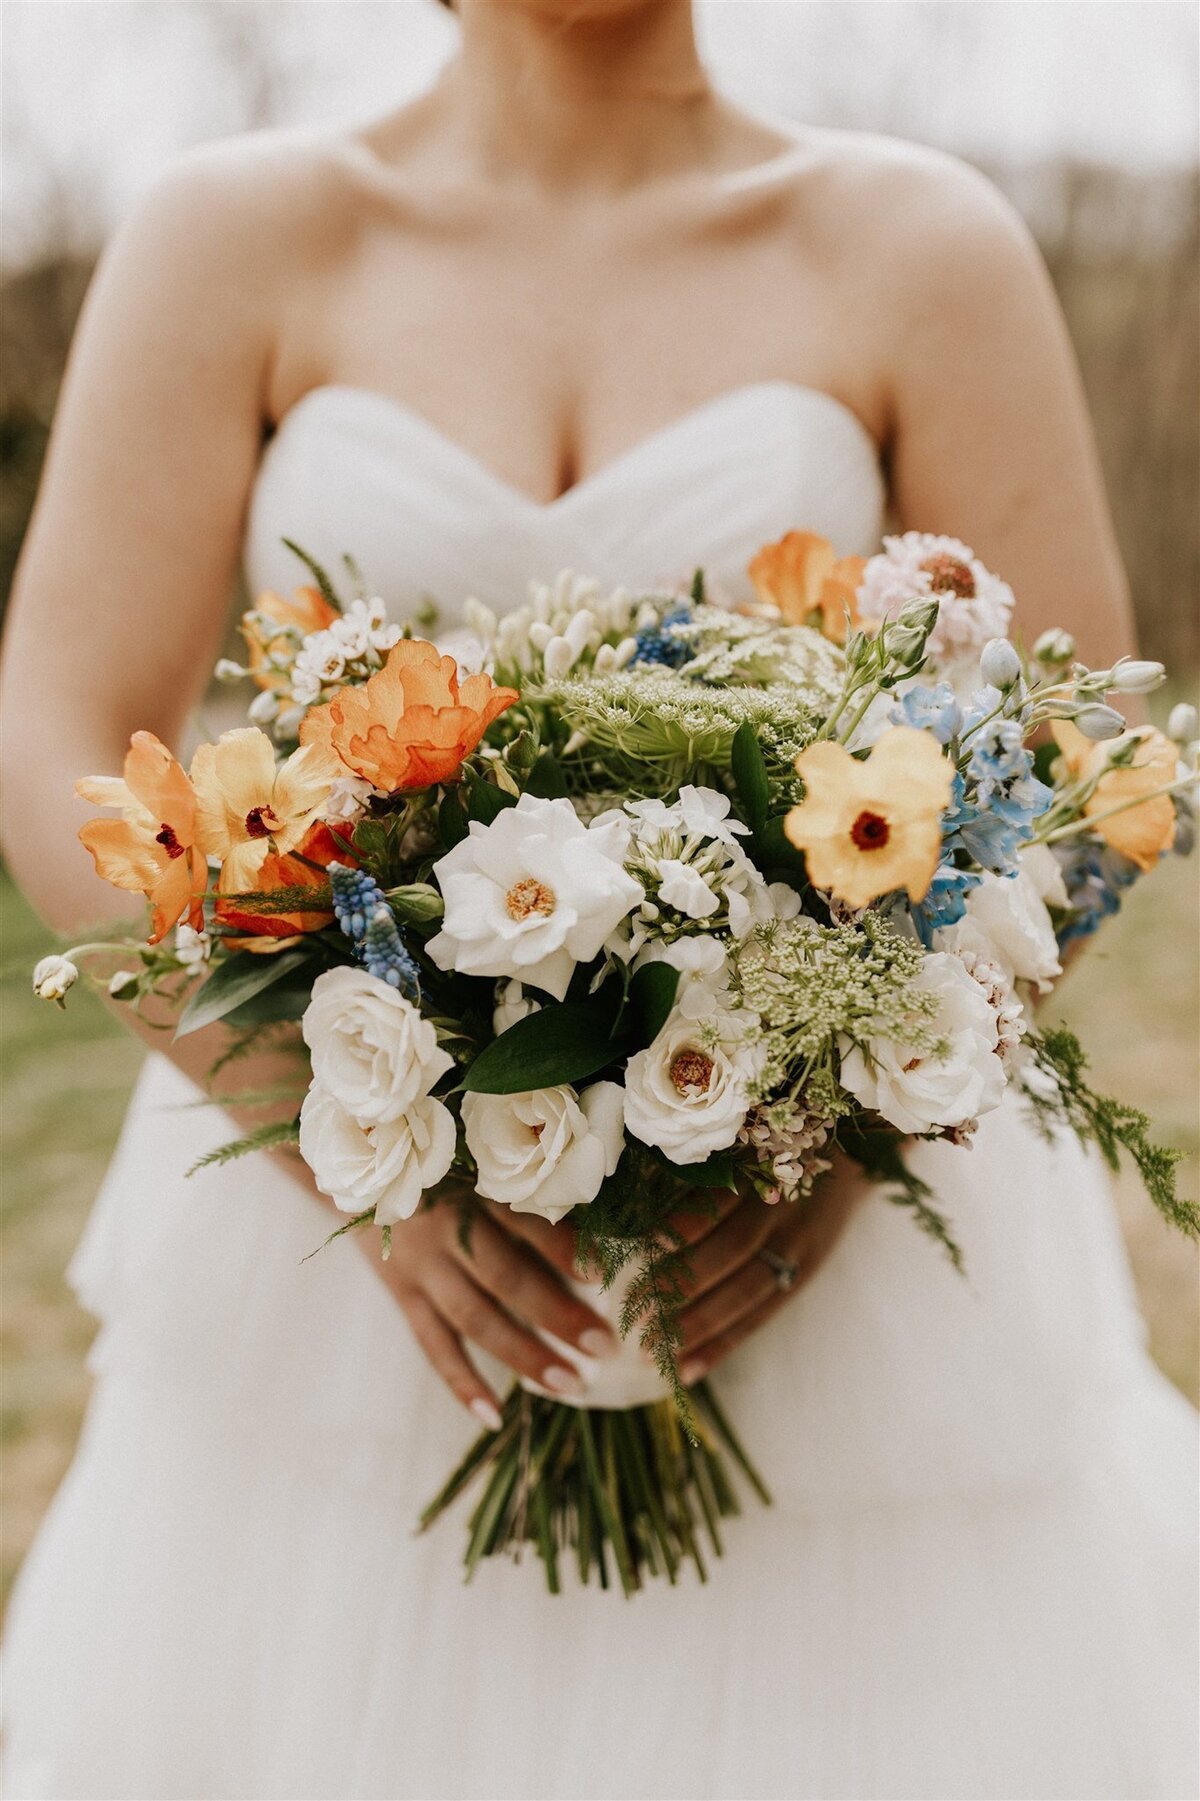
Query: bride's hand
{"points": [[739, 1259], [510, 1284]]}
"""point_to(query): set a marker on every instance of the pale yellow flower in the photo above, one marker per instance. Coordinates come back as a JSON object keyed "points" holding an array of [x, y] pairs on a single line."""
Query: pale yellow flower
{"points": [[1141, 832], [247, 809]]}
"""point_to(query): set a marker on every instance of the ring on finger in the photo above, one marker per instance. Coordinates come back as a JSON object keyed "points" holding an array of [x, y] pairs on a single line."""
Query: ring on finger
{"points": [[783, 1269]]}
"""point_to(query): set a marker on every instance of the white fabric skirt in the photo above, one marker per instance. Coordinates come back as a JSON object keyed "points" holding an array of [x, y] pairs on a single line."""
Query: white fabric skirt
{"points": [[977, 1580]]}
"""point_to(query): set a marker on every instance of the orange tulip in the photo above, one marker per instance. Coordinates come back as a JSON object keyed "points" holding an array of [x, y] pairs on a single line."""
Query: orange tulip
{"points": [[307, 611], [294, 871], [809, 583], [1144, 830], [410, 724], [152, 849], [247, 810]]}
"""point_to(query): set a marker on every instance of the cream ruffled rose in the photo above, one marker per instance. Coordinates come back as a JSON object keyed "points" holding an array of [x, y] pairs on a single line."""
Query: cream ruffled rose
{"points": [[371, 1049], [917, 1092], [387, 1165], [686, 1093], [1007, 921], [546, 1151]]}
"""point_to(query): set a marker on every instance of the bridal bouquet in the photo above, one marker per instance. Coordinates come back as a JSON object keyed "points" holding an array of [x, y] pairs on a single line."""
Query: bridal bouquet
{"points": [[621, 899]]}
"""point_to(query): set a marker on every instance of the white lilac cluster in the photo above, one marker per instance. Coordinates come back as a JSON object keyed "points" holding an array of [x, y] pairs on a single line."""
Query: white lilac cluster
{"points": [[371, 1131]]}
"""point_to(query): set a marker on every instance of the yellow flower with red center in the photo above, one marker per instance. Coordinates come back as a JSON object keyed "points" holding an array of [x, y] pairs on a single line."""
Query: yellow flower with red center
{"points": [[1142, 831], [248, 810], [153, 848], [307, 611], [869, 826], [412, 723], [264, 931], [803, 576]]}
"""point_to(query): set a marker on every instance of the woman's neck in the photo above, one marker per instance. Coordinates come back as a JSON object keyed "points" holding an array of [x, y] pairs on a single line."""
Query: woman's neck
{"points": [[596, 96]]}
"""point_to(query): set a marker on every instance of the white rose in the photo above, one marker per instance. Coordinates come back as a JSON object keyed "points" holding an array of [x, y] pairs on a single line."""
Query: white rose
{"points": [[52, 976], [512, 1004], [687, 1092], [370, 1046], [1045, 872], [547, 1151], [1006, 920], [915, 1092], [533, 894], [387, 1166]]}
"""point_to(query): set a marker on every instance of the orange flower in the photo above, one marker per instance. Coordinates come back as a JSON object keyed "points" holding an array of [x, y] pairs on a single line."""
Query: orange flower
{"points": [[1141, 832], [307, 611], [295, 871], [247, 810], [809, 583], [868, 826], [152, 849], [412, 723]]}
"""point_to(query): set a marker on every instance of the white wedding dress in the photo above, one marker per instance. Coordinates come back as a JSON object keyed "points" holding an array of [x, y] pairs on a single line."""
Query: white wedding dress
{"points": [[976, 1579]]}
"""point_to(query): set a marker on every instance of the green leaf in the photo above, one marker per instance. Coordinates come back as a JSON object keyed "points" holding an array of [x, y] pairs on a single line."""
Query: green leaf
{"points": [[234, 982], [452, 819], [564, 1042], [328, 592], [283, 1000], [652, 992], [546, 778], [372, 839], [750, 775], [774, 850], [486, 802], [263, 1138]]}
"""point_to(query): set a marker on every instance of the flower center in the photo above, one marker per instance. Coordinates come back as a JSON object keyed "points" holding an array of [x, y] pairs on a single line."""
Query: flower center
{"points": [[169, 841], [949, 575], [528, 897], [870, 831], [691, 1070], [260, 822]]}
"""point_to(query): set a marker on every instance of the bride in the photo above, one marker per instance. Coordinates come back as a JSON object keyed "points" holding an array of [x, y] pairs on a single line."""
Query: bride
{"points": [[572, 309]]}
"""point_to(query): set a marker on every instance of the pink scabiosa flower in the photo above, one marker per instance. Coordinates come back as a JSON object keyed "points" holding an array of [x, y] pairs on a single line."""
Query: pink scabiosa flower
{"points": [[975, 605]]}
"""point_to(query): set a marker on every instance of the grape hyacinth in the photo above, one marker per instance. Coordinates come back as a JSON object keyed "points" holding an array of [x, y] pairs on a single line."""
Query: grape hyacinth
{"points": [[356, 896], [660, 644], [383, 953]]}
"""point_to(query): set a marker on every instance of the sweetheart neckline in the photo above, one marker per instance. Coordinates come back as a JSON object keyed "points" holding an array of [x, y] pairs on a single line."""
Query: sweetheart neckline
{"points": [[400, 411]]}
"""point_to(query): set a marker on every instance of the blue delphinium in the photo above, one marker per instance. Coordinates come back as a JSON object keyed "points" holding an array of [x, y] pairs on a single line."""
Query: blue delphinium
{"points": [[987, 837], [660, 643], [356, 896], [383, 953], [945, 903], [930, 710], [1095, 876]]}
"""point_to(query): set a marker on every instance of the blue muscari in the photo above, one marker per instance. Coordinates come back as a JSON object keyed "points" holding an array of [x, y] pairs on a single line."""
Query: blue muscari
{"points": [[659, 643], [361, 909]]}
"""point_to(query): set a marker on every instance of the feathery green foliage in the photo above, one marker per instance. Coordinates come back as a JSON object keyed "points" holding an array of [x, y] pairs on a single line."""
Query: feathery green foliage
{"points": [[262, 1138]]}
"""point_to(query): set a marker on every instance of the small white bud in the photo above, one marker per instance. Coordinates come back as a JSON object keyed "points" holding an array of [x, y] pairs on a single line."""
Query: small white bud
{"points": [[1130, 676], [264, 707], [1098, 722], [288, 722], [574, 743], [1183, 724], [557, 659], [123, 985], [227, 670], [605, 660], [52, 977], [626, 651], [999, 665], [1054, 647], [540, 634]]}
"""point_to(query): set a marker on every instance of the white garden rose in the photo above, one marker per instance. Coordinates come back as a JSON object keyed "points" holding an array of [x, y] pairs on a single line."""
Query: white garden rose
{"points": [[371, 1049], [916, 1092], [546, 1151], [686, 1093], [387, 1166], [533, 894], [1007, 921]]}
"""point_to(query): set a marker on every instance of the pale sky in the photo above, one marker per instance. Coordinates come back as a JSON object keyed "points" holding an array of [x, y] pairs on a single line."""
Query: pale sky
{"points": [[99, 94]]}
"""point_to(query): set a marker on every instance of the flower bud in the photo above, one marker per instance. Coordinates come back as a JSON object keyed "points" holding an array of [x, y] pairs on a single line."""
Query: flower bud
{"points": [[1184, 723], [123, 986], [557, 659], [1099, 722], [999, 665], [227, 670], [1130, 676], [264, 707], [1054, 647], [52, 977], [626, 651]]}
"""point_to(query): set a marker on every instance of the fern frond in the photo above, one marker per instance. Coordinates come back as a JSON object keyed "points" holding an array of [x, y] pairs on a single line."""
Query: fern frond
{"points": [[263, 1138]]}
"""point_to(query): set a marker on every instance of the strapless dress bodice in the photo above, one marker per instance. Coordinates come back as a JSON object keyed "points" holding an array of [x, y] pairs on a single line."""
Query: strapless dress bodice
{"points": [[350, 471]]}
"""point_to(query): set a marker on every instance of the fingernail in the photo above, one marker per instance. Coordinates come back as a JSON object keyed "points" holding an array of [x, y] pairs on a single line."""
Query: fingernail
{"points": [[562, 1381], [597, 1342], [691, 1371], [488, 1412]]}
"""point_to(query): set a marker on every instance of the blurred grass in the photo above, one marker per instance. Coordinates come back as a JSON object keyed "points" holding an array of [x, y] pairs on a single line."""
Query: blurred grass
{"points": [[66, 1076]]}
